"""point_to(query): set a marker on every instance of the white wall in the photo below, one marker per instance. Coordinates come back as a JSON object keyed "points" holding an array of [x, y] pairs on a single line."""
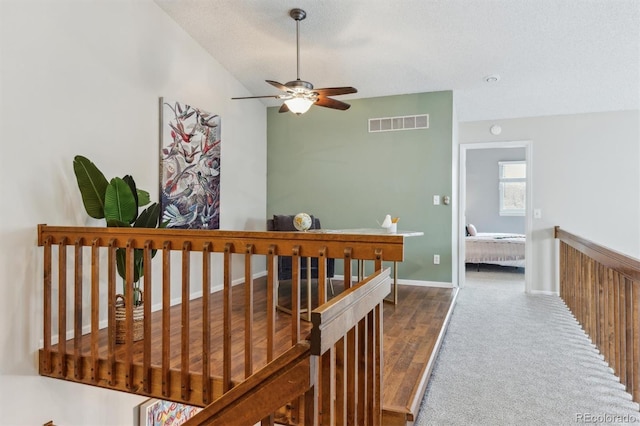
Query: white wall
{"points": [[84, 77], [586, 179]]}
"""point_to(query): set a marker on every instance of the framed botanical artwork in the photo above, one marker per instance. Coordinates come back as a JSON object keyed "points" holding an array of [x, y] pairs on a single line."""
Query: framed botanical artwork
{"points": [[156, 412], [189, 166]]}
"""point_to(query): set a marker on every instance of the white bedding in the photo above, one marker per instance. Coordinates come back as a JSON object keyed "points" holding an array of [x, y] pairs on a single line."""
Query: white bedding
{"points": [[495, 248]]}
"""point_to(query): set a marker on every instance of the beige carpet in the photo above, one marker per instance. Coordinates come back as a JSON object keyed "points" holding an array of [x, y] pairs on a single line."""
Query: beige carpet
{"points": [[514, 359]]}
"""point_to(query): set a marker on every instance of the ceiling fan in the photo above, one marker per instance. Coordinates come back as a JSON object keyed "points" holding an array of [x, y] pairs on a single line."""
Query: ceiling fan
{"points": [[299, 95]]}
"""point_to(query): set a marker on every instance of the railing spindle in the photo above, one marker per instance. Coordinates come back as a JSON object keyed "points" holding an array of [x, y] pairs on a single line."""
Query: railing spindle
{"points": [[47, 306], [227, 301], [62, 307], [207, 396], [148, 291], [128, 297], [166, 318], [95, 308], [185, 385], [111, 314], [248, 312], [77, 310]]}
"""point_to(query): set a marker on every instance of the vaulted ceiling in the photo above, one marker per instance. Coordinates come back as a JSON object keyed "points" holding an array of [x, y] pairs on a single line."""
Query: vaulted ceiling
{"points": [[552, 56]]}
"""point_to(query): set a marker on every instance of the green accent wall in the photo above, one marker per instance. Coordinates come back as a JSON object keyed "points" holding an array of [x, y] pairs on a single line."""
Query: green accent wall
{"points": [[326, 163]]}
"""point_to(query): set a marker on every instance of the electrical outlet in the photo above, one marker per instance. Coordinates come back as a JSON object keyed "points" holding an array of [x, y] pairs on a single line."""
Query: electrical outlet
{"points": [[436, 259]]}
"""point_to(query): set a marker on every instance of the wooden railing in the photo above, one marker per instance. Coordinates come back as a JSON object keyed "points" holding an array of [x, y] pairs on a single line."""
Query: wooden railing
{"points": [[333, 379], [195, 349], [601, 287]]}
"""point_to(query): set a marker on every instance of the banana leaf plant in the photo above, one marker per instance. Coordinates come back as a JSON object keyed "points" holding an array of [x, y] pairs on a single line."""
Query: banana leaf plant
{"points": [[117, 202]]}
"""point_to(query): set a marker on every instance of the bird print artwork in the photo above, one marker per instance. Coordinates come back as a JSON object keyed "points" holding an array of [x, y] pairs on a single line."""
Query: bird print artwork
{"points": [[189, 167]]}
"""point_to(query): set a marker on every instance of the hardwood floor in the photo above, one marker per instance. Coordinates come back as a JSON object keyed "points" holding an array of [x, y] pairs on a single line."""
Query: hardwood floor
{"points": [[412, 334]]}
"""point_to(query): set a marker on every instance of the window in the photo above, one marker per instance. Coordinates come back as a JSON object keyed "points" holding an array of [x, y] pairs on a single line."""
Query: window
{"points": [[513, 187]]}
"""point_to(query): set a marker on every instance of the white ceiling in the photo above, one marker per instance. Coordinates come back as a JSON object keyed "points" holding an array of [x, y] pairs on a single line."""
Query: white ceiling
{"points": [[553, 56]]}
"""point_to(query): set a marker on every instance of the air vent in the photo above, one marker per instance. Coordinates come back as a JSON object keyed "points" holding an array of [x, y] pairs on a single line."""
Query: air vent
{"points": [[391, 124]]}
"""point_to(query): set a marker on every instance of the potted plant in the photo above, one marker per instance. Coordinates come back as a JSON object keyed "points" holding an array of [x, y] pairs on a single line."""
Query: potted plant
{"points": [[117, 201]]}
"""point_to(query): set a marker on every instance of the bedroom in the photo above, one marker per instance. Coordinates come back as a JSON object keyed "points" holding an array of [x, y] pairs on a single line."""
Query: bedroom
{"points": [[495, 221]]}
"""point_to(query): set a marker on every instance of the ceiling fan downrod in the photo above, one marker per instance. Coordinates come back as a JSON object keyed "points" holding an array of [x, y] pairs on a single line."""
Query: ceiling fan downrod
{"points": [[298, 15]]}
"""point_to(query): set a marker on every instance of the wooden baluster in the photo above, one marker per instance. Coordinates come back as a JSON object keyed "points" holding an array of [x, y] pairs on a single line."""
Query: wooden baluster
{"points": [[272, 299], [207, 396], [78, 371], [347, 268], [622, 322], [379, 362], [362, 372], [295, 317], [128, 298], [629, 332], [248, 312], [166, 318], [62, 307], [611, 356], [635, 313], [185, 385], [341, 383], [227, 301], [47, 314], [616, 322], [311, 405], [328, 388], [95, 308], [371, 359], [295, 296], [111, 314], [322, 276], [602, 311], [148, 291], [351, 375]]}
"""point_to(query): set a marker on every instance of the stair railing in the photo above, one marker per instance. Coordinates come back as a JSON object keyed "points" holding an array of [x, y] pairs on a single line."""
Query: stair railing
{"points": [[601, 287]]}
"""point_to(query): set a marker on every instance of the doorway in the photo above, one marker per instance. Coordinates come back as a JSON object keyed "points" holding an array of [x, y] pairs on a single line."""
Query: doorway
{"points": [[468, 151]]}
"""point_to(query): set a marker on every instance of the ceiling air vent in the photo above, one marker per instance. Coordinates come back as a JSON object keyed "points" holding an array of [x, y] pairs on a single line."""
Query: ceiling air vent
{"points": [[407, 122]]}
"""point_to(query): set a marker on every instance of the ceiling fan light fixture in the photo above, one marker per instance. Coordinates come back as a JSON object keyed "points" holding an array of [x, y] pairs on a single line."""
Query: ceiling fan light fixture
{"points": [[298, 105]]}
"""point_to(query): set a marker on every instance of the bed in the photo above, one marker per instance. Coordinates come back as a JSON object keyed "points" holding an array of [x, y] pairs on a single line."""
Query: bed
{"points": [[495, 248]]}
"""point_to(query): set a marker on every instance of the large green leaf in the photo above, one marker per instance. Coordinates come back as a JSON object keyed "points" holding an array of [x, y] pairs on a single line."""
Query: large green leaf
{"points": [[119, 202], [149, 217], [121, 261], [143, 197], [92, 185], [134, 191]]}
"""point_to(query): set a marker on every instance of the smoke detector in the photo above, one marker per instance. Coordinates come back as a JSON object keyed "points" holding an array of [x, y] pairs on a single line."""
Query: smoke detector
{"points": [[493, 78]]}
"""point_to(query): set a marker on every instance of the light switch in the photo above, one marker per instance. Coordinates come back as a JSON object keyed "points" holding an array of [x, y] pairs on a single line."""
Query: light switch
{"points": [[436, 200], [537, 214]]}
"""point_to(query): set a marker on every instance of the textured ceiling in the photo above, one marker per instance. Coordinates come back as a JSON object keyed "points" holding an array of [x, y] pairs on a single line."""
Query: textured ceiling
{"points": [[553, 56]]}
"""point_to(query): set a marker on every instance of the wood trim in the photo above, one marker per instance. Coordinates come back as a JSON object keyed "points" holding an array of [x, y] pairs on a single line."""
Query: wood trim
{"points": [[626, 265], [280, 381], [362, 245], [335, 318]]}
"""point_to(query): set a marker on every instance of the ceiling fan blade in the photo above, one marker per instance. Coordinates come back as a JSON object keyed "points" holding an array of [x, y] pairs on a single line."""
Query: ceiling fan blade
{"points": [[278, 85], [284, 108], [334, 91], [323, 101], [258, 97]]}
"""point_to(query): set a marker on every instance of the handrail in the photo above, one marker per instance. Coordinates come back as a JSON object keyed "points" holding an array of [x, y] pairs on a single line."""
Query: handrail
{"points": [[601, 287], [626, 265]]}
